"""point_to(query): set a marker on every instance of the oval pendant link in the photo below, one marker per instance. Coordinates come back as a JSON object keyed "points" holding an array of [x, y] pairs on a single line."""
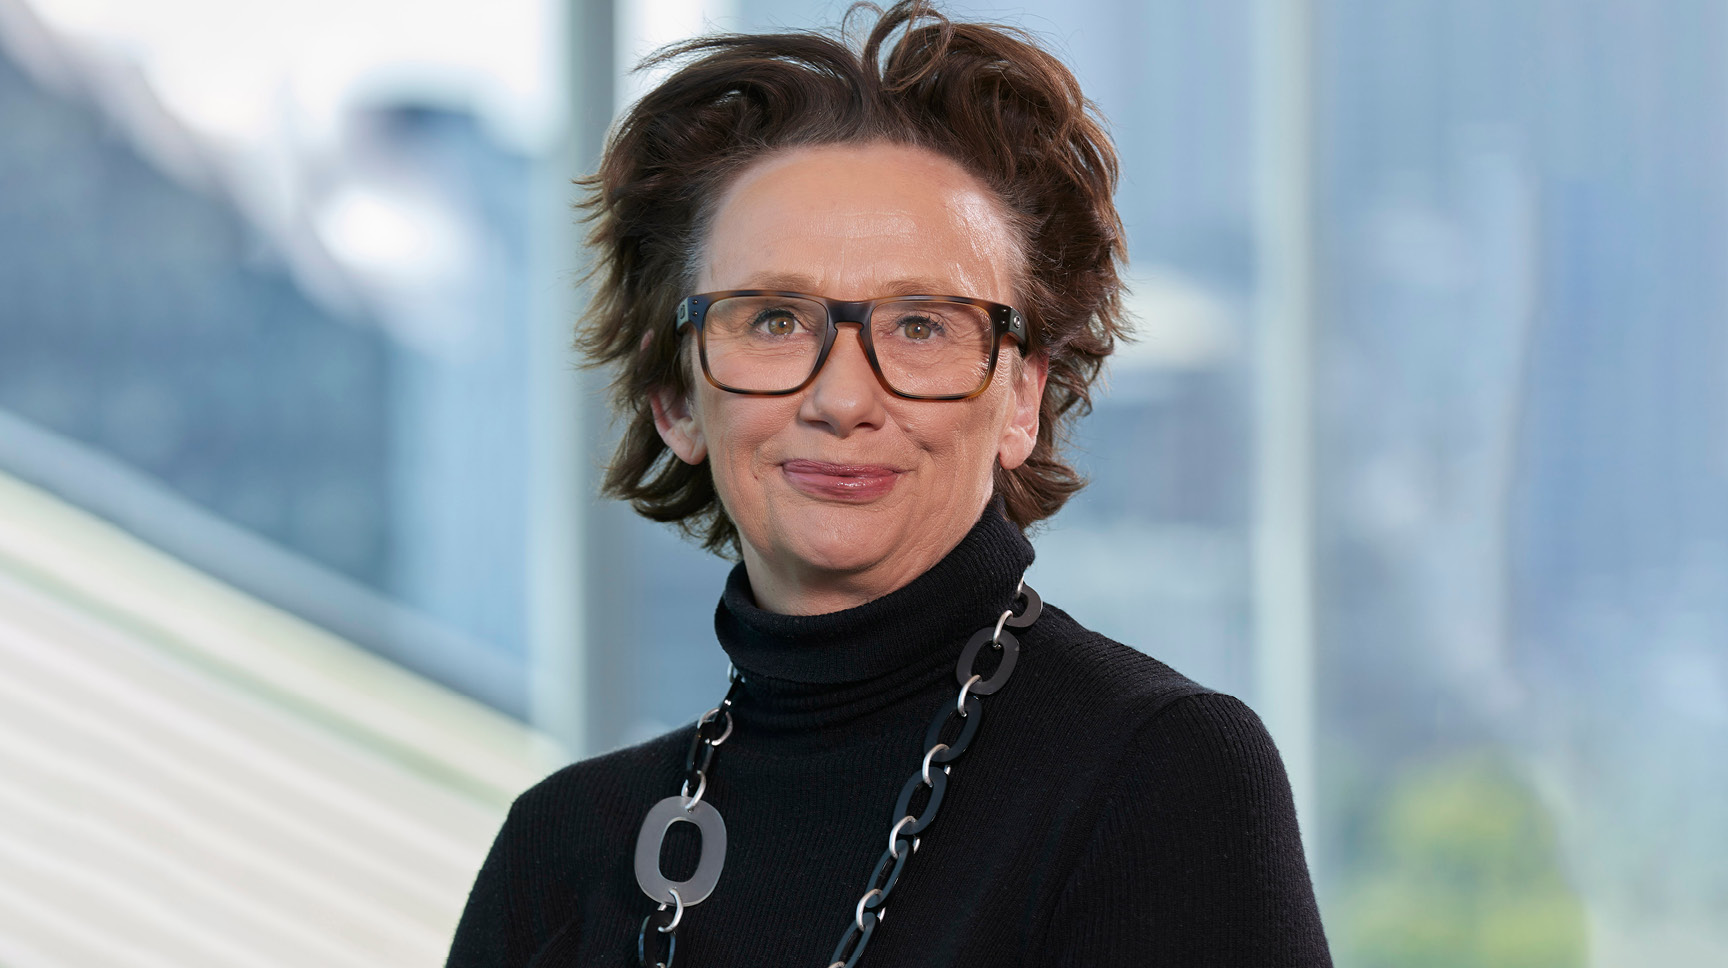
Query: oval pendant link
{"points": [[652, 837]]}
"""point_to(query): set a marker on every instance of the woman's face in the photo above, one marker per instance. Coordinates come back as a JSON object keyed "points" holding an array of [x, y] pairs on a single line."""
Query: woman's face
{"points": [[843, 492]]}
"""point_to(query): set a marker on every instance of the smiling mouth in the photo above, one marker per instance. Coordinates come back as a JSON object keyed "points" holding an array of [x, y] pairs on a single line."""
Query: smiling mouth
{"points": [[852, 483]]}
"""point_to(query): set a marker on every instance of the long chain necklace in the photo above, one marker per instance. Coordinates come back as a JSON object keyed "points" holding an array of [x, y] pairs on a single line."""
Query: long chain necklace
{"points": [[659, 932]]}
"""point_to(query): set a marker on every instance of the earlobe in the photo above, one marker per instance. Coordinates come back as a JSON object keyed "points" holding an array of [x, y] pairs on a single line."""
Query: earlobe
{"points": [[1020, 436], [675, 419]]}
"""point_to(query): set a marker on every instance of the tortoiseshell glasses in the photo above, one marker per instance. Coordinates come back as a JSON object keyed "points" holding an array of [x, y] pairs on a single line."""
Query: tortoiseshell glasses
{"points": [[771, 343]]}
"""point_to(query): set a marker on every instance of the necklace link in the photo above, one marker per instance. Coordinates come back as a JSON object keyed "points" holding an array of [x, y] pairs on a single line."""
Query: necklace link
{"points": [[677, 915], [684, 791], [939, 747]]}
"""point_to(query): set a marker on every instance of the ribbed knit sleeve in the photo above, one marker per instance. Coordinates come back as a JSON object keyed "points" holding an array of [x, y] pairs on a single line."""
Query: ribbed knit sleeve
{"points": [[1195, 859], [487, 935]]}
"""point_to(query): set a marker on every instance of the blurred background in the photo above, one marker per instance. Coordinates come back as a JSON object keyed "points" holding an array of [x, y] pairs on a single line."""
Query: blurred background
{"points": [[1423, 452]]}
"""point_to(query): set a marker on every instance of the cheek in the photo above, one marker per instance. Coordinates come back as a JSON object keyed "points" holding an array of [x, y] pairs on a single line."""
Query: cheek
{"points": [[964, 436], [736, 427]]}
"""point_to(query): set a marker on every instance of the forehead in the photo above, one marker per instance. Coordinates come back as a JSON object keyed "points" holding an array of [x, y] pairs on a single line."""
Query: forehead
{"points": [[854, 221]]}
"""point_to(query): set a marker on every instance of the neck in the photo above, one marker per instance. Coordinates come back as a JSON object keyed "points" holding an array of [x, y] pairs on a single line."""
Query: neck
{"points": [[908, 631]]}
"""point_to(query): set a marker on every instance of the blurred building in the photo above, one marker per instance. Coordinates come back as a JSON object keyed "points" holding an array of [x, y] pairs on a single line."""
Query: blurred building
{"points": [[431, 215], [339, 434], [146, 318]]}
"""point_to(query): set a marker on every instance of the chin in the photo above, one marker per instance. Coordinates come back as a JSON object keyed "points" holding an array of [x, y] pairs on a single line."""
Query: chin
{"points": [[835, 539], [844, 541]]}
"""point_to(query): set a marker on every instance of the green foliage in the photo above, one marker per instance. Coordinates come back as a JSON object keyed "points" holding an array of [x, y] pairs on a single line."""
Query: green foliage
{"points": [[1462, 869]]}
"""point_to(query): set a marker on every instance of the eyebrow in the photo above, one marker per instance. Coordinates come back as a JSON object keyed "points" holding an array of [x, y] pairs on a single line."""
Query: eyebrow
{"points": [[793, 282]]}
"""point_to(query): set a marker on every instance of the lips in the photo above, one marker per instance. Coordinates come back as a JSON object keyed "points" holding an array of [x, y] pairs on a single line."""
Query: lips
{"points": [[852, 483]]}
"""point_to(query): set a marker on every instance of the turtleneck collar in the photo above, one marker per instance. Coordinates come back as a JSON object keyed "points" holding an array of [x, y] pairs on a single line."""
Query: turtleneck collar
{"points": [[803, 671]]}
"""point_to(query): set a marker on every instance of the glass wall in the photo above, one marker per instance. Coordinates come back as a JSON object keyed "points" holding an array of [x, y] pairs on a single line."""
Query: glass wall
{"points": [[1524, 541]]}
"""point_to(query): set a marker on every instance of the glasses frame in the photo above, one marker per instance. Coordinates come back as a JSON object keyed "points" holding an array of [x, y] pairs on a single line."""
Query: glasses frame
{"points": [[1005, 320]]}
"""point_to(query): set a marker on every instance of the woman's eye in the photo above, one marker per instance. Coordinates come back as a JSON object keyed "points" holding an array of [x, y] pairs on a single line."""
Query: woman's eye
{"points": [[779, 324], [918, 327]]}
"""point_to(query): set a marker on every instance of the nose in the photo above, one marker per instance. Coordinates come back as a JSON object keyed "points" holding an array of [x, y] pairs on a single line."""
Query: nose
{"points": [[845, 396]]}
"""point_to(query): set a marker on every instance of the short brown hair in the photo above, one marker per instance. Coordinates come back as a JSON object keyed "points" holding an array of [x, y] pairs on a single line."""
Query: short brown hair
{"points": [[983, 95]]}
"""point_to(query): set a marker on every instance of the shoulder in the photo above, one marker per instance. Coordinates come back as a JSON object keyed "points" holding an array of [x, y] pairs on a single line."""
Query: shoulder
{"points": [[1167, 725], [605, 784], [558, 833], [1211, 756], [1154, 736], [560, 824], [1102, 674], [1189, 831]]}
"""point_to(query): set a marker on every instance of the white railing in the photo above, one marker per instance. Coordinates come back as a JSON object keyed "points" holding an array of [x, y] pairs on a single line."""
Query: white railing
{"points": [[189, 776]]}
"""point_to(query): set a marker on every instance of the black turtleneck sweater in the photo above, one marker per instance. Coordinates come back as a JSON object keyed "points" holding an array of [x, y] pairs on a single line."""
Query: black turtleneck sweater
{"points": [[1110, 811]]}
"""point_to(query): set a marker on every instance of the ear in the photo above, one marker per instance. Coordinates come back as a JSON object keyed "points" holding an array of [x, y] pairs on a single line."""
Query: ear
{"points": [[1020, 434], [675, 418]]}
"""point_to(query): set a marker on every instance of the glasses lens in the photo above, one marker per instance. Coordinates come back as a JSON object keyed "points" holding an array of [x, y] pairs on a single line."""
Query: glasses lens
{"points": [[932, 348], [763, 344]]}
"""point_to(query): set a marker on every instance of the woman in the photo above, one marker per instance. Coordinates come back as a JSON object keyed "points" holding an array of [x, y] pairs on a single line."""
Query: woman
{"points": [[854, 299]]}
